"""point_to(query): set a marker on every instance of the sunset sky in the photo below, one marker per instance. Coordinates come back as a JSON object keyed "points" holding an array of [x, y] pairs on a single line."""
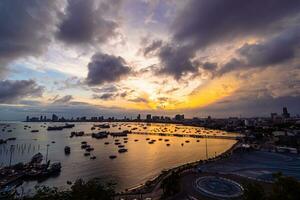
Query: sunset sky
{"points": [[123, 57]]}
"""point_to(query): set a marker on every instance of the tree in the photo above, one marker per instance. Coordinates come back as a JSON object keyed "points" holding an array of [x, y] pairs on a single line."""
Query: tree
{"points": [[170, 185], [93, 189], [284, 188], [287, 188], [254, 192]]}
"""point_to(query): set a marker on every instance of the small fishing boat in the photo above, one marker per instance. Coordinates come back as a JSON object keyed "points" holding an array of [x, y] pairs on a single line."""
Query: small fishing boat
{"points": [[122, 150], [67, 150], [93, 157]]}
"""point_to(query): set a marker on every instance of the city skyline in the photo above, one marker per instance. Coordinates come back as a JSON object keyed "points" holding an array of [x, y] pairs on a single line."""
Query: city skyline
{"points": [[121, 58]]}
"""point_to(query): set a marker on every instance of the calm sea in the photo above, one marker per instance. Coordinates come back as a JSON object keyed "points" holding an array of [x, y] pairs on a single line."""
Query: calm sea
{"points": [[142, 162]]}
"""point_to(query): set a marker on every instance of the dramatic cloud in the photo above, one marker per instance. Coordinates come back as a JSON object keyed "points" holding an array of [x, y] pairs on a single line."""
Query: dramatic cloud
{"points": [[105, 96], [105, 89], [204, 22], [138, 100], [273, 51], [176, 60], [85, 22], [156, 44], [105, 68], [63, 100], [25, 28], [13, 91]]}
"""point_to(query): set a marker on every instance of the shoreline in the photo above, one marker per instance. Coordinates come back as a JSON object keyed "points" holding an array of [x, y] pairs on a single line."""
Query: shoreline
{"points": [[151, 184]]}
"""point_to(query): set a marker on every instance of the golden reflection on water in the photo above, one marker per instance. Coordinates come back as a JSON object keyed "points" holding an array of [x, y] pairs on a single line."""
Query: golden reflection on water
{"points": [[142, 161]]}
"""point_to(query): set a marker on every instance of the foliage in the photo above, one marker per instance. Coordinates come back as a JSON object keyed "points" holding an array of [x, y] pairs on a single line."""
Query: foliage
{"points": [[171, 185], [93, 189], [287, 188], [254, 191]]}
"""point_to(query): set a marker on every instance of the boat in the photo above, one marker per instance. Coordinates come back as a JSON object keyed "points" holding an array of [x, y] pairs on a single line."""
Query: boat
{"points": [[84, 146], [122, 150], [100, 135], [136, 140], [67, 150], [34, 131], [83, 142], [87, 154], [112, 157], [88, 149], [77, 134], [119, 134], [54, 168], [37, 158], [69, 125], [93, 157], [121, 146], [102, 125], [55, 128], [106, 143], [168, 144]]}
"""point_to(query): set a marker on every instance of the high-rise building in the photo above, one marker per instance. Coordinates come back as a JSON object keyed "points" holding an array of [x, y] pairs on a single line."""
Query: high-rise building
{"points": [[285, 112], [54, 118], [179, 117], [148, 117]]}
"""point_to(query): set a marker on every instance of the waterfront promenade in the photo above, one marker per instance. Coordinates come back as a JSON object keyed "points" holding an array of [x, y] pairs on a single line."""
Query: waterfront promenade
{"points": [[151, 189]]}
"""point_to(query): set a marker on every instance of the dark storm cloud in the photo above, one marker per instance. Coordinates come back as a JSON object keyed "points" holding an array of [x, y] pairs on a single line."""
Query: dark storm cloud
{"points": [[273, 51], [25, 28], [176, 60], [232, 65], [84, 22], [104, 68], [205, 22], [210, 66], [12, 91], [63, 100]]}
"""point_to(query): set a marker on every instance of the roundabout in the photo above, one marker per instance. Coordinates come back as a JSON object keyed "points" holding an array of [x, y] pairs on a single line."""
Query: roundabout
{"points": [[218, 188]]}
